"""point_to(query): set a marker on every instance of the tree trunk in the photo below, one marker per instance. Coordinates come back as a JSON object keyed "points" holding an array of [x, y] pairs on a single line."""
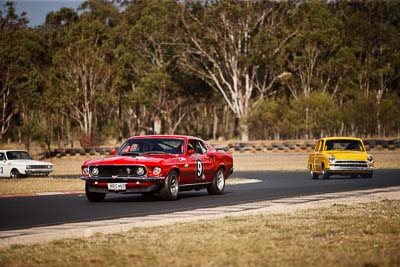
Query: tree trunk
{"points": [[215, 124], [244, 130], [157, 125]]}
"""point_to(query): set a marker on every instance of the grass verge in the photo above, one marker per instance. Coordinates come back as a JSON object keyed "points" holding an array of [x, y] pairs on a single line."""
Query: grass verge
{"points": [[342, 235], [39, 185]]}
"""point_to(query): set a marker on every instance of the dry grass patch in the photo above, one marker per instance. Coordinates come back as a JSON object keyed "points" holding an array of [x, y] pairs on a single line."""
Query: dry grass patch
{"points": [[39, 185], [296, 161], [287, 161], [361, 235]]}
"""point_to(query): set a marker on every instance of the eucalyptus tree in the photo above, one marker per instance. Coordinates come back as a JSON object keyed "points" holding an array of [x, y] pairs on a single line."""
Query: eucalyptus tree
{"points": [[312, 54], [14, 62], [21, 58], [82, 66], [149, 53], [373, 28], [221, 48]]}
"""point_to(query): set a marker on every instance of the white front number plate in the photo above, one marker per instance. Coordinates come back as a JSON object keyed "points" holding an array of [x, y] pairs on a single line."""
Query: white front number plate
{"points": [[116, 186]]}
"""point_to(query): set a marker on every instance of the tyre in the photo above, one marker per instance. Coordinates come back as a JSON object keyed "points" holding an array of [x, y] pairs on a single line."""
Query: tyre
{"points": [[170, 189], [325, 173], [313, 174], [218, 184], [94, 196], [15, 174]]}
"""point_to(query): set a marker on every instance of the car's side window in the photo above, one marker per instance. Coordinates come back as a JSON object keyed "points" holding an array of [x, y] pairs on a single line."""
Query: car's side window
{"points": [[2, 157], [201, 148], [197, 146]]}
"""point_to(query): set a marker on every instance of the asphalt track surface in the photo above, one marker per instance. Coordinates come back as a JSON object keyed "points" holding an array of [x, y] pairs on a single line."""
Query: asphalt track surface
{"points": [[25, 212]]}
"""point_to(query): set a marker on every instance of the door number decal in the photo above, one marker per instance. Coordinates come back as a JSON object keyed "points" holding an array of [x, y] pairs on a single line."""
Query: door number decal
{"points": [[199, 169]]}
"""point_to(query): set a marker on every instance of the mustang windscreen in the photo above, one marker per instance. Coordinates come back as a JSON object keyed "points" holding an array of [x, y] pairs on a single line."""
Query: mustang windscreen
{"points": [[152, 145]]}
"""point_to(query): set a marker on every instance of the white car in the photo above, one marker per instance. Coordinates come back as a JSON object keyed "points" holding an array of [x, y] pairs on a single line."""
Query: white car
{"points": [[19, 163]]}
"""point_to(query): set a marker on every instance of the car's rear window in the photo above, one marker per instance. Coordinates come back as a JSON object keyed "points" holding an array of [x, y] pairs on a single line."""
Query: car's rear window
{"points": [[343, 145], [149, 145]]}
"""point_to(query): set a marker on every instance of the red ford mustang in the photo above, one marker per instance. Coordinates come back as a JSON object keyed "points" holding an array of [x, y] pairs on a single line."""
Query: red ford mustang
{"points": [[158, 164]]}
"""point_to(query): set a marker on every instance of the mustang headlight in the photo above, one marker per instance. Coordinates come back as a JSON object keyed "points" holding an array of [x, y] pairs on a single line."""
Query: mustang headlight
{"points": [[332, 159], [370, 159], [140, 171], [85, 171], [49, 166], [156, 170], [95, 171], [28, 167]]}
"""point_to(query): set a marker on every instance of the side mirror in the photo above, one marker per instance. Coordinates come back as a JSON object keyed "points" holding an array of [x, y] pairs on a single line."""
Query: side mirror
{"points": [[114, 152], [191, 152]]}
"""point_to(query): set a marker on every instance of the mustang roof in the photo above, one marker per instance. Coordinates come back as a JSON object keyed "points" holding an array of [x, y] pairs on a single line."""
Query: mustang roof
{"points": [[165, 136]]}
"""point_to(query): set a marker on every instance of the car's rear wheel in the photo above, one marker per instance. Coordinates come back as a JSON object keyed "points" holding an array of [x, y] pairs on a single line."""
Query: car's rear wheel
{"points": [[325, 173], [15, 174], [218, 185], [94, 196], [170, 190]]}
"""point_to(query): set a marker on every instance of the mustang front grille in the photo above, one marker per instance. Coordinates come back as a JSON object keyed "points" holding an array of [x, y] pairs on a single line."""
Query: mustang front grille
{"points": [[350, 163], [118, 170]]}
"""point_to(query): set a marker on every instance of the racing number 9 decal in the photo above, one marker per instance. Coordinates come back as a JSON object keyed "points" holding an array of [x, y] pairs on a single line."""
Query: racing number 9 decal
{"points": [[199, 169]]}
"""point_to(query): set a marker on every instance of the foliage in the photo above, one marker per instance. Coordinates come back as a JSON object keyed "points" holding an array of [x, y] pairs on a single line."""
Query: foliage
{"points": [[218, 69]]}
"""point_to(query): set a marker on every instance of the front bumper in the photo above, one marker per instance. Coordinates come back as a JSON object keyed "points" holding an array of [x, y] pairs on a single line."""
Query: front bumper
{"points": [[349, 169], [38, 172], [133, 185]]}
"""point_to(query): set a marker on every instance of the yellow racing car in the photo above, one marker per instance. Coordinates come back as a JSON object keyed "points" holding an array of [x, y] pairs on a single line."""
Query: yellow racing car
{"points": [[340, 156]]}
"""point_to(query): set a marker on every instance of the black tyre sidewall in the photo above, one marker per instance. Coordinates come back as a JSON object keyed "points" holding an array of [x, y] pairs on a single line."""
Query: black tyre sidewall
{"points": [[17, 174], [93, 196], [165, 192], [325, 173], [213, 188]]}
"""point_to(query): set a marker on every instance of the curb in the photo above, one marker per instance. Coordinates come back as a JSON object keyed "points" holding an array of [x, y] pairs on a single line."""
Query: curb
{"points": [[43, 194]]}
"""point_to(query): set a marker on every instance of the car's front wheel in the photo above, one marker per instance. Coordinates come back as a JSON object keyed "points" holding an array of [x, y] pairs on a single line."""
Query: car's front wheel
{"points": [[313, 174], [218, 185], [15, 174], [325, 173], [170, 190], [94, 196]]}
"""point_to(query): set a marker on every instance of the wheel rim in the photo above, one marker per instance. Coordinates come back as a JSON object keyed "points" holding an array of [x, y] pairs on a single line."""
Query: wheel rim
{"points": [[173, 185], [13, 174], [220, 180], [312, 174]]}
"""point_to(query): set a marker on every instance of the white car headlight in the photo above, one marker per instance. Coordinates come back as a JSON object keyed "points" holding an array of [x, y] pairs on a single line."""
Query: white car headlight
{"points": [[49, 166], [140, 171], [95, 171], [332, 159], [85, 171], [156, 170], [28, 167]]}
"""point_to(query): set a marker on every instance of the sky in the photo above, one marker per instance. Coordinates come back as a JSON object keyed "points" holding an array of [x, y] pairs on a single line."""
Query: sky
{"points": [[38, 9]]}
